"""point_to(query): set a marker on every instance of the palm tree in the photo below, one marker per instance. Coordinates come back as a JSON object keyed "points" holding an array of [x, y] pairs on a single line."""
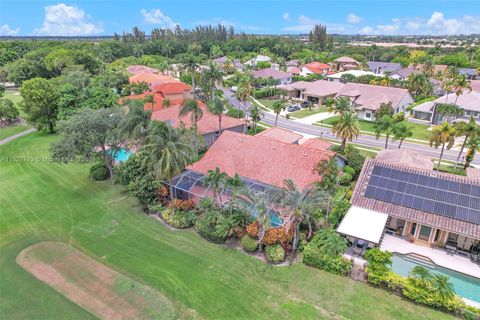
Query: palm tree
{"points": [[217, 182], [347, 127], [190, 106], [166, 103], [167, 151], [255, 115], [384, 125], [216, 107], [442, 135], [449, 111], [473, 148], [136, 122], [400, 131], [213, 75], [461, 83], [331, 243], [258, 204], [328, 169], [302, 205], [464, 129], [191, 65], [244, 91], [277, 107], [149, 98], [442, 286], [236, 185], [422, 273], [341, 105], [428, 68]]}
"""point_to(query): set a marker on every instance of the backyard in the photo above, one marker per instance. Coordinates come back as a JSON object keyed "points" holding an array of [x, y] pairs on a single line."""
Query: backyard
{"points": [[47, 201], [13, 129], [420, 131]]}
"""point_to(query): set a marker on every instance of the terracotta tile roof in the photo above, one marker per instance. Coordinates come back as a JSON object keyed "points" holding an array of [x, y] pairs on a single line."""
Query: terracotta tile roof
{"points": [[171, 87], [473, 173], [405, 157], [317, 143], [318, 67], [207, 124], [370, 97], [140, 69], [149, 78], [280, 134], [268, 72], [158, 99], [263, 160], [435, 220]]}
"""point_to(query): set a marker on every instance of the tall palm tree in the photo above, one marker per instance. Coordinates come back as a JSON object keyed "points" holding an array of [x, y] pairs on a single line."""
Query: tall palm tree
{"points": [[217, 107], [449, 111], [442, 135], [461, 83], [191, 65], [464, 129], [244, 91], [346, 128], [331, 243], [167, 151], [400, 131], [258, 205], [328, 169], [255, 115], [217, 182], [190, 106], [235, 185], [442, 286], [341, 106], [473, 148], [136, 122], [277, 107], [428, 68], [302, 205], [384, 125], [149, 98], [213, 75]]}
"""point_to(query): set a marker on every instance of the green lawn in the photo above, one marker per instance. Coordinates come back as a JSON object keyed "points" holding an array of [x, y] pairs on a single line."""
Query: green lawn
{"points": [[9, 131], [46, 201], [420, 131], [303, 113], [267, 102], [13, 95]]}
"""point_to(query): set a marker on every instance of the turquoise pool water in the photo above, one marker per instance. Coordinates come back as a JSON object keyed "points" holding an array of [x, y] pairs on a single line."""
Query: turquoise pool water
{"points": [[465, 286], [122, 155], [275, 220]]}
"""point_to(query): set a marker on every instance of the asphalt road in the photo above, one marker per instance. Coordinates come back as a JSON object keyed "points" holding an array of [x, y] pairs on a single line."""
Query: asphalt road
{"points": [[366, 140]]}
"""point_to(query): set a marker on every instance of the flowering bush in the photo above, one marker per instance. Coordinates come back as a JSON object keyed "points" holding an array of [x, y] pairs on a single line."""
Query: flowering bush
{"points": [[252, 229], [182, 205], [278, 235]]}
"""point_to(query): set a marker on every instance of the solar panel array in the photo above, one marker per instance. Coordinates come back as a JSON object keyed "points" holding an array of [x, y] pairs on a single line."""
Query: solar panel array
{"points": [[452, 199]]}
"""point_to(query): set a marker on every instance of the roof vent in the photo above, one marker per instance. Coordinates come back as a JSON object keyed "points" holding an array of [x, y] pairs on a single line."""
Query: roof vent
{"points": [[274, 148], [305, 154]]}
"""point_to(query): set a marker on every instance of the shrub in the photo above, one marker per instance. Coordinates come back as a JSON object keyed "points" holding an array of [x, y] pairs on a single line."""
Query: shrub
{"points": [[145, 189], [99, 172], [8, 111], [235, 113], [278, 235], [249, 244], [350, 170], [132, 169], [179, 219], [312, 256], [268, 92], [345, 179], [275, 253], [156, 208], [210, 227], [252, 229], [354, 158], [182, 205]]}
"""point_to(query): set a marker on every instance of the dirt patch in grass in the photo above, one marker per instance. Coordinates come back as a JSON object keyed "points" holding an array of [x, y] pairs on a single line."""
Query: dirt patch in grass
{"points": [[95, 287]]}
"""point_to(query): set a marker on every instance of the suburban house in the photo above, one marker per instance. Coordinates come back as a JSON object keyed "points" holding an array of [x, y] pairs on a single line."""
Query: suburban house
{"points": [[404, 73], [150, 78], [279, 76], [315, 92], [345, 63], [279, 134], [468, 101], [470, 74], [260, 58], [292, 65], [367, 98], [314, 68], [383, 68], [402, 205], [337, 77], [223, 61], [136, 69], [262, 163]]}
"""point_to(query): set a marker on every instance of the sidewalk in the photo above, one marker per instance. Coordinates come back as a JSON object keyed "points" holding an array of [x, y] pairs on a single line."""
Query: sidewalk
{"points": [[18, 135]]}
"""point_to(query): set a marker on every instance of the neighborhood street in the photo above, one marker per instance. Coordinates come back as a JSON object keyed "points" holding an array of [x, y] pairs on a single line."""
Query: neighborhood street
{"points": [[364, 139]]}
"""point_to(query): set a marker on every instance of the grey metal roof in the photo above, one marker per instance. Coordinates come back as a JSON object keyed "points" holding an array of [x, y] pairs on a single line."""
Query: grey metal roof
{"points": [[467, 71], [381, 66]]}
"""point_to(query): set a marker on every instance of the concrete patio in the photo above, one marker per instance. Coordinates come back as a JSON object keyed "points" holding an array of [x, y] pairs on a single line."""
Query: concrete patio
{"points": [[439, 257]]}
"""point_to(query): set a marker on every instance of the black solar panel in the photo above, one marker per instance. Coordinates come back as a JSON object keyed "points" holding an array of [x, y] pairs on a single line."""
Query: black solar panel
{"points": [[435, 195]]}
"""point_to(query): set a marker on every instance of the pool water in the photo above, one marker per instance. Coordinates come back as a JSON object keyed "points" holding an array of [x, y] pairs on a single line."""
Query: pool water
{"points": [[275, 220], [122, 155], [465, 286]]}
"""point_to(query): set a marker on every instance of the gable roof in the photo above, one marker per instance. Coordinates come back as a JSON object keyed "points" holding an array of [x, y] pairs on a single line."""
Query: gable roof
{"points": [[279, 134], [149, 78], [207, 124], [268, 72], [383, 66], [355, 73], [171, 87], [292, 63], [346, 60], [319, 88], [264, 160], [140, 69], [317, 67], [467, 100], [370, 97], [430, 218], [406, 157], [317, 143]]}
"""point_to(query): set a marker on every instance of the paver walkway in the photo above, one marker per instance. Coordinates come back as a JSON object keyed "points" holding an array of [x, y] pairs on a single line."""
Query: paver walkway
{"points": [[18, 135]]}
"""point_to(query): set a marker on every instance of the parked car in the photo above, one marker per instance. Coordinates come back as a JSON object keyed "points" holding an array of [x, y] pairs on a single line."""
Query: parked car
{"points": [[305, 104], [293, 107]]}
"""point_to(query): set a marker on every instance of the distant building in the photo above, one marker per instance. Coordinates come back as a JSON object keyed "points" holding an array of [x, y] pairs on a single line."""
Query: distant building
{"points": [[346, 63], [292, 64], [356, 73], [280, 77], [317, 68], [379, 67], [260, 58]]}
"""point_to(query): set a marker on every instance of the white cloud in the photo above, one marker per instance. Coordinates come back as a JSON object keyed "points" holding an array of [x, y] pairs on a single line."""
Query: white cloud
{"points": [[353, 18], [366, 30], [304, 24], [413, 25], [64, 20], [438, 24], [156, 16], [5, 30], [286, 17]]}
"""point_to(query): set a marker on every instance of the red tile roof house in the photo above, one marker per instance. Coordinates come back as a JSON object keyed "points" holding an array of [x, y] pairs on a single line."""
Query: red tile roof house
{"points": [[408, 199], [315, 68], [262, 163], [315, 92], [346, 63], [367, 98], [279, 134], [279, 76]]}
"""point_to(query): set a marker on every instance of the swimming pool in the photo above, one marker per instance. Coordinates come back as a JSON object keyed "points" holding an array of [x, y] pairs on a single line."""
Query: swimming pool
{"points": [[275, 219], [465, 286], [121, 155]]}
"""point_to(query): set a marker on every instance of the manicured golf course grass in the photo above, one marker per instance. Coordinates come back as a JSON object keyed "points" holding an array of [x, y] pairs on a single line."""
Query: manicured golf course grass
{"points": [[13, 129], [41, 201]]}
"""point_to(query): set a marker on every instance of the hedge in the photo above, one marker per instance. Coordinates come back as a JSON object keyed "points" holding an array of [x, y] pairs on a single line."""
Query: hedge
{"points": [[313, 257], [249, 244], [275, 253], [99, 172]]}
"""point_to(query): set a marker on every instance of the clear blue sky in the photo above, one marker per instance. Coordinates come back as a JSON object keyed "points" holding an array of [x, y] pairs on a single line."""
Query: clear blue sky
{"points": [[23, 17]]}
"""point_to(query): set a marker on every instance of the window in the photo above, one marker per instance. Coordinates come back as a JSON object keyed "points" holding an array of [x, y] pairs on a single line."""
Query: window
{"points": [[368, 115], [414, 228], [437, 235], [425, 233], [468, 113], [475, 114]]}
